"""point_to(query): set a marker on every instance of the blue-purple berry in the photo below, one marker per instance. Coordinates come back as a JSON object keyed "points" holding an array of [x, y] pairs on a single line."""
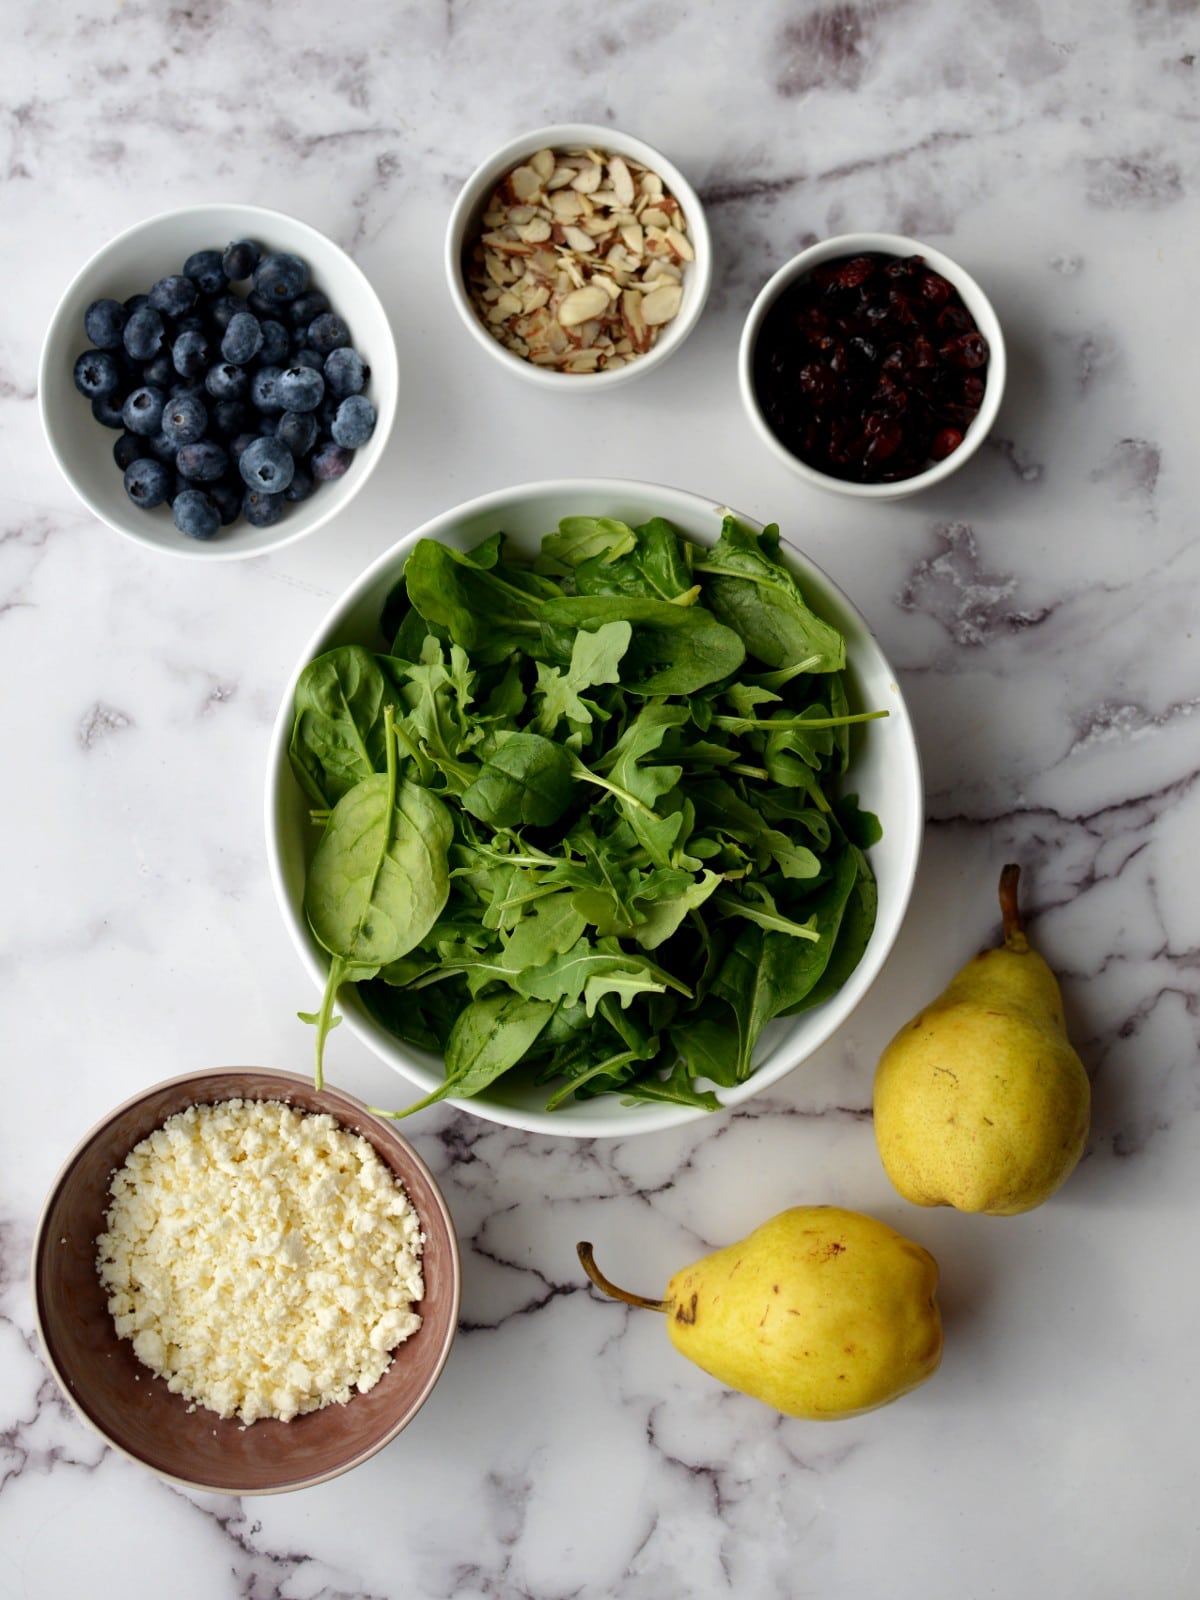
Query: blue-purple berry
{"points": [[195, 514], [266, 465], [204, 268], [174, 295], [345, 372], [143, 410], [144, 333], [147, 482], [280, 277], [97, 373], [328, 332], [190, 353], [104, 323], [185, 419], [354, 423], [297, 430], [242, 339], [261, 510], [300, 388], [202, 462], [264, 390], [240, 259], [275, 343], [329, 461]]}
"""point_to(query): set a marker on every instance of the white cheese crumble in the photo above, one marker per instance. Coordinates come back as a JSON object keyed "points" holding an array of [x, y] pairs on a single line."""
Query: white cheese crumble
{"points": [[263, 1260]]}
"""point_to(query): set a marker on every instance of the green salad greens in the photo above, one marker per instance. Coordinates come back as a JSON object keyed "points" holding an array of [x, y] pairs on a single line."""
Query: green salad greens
{"points": [[581, 819]]}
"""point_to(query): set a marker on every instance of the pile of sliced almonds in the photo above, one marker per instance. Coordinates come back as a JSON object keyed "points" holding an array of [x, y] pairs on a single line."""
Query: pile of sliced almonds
{"points": [[579, 261]]}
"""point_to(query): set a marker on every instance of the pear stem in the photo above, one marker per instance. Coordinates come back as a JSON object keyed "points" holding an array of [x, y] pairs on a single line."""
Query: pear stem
{"points": [[1010, 911], [593, 1271]]}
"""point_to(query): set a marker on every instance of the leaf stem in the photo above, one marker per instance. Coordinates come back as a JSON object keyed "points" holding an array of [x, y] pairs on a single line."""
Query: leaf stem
{"points": [[588, 1263]]}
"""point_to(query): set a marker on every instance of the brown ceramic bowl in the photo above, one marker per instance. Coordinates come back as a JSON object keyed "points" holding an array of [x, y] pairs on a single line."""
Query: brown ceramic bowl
{"points": [[134, 1411]]}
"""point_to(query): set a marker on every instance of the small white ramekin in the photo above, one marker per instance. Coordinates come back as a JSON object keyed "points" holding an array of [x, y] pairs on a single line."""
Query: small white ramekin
{"points": [[468, 210], [976, 302]]}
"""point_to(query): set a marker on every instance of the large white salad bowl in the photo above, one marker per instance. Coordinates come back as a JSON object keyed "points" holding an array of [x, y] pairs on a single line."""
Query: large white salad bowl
{"points": [[886, 774]]}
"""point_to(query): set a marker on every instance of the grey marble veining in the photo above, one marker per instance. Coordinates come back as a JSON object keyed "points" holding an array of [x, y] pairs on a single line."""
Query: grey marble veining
{"points": [[1039, 609]]}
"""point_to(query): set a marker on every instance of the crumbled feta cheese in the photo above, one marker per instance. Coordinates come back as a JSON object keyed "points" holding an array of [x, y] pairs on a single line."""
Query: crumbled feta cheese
{"points": [[263, 1260]]}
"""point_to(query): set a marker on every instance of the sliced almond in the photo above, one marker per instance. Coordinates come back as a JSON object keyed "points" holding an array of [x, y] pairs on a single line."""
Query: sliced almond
{"points": [[581, 304], [660, 305], [587, 180], [634, 237], [680, 244], [622, 180], [633, 321], [535, 231], [565, 204], [579, 240], [525, 183], [543, 164]]}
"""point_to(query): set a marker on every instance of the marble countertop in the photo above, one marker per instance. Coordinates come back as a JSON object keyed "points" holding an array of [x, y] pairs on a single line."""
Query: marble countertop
{"points": [[1039, 609]]}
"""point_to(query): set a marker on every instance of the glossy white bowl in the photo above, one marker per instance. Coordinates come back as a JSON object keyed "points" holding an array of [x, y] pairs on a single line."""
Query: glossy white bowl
{"points": [[886, 774], [128, 265], [976, 302], [464, 224]]}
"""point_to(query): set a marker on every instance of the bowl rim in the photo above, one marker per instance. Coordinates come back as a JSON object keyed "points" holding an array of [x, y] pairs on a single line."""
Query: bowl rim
{"points": [[486, 174], [192, 549], [612, 1124], [976, 301], [285, 1080]]}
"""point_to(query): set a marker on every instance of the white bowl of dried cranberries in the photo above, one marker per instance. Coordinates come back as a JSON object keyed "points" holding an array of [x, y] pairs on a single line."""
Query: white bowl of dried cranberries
{"points": [[872, 365]]}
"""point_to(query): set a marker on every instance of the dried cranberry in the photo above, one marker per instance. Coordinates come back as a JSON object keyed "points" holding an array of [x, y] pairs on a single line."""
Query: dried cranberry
{"points": [[871, 368], [945, 442]]}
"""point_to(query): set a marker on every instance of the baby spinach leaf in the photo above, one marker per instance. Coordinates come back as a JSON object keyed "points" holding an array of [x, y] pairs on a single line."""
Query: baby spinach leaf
{"points": [[750, 589], [526, 781], [656, 567], [377, 881], [491, 1036], [675, 649], [338, 730]]}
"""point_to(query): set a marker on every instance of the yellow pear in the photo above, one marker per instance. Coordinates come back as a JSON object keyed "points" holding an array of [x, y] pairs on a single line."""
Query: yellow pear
{"points": [[980, 1101], [821, 1313]]}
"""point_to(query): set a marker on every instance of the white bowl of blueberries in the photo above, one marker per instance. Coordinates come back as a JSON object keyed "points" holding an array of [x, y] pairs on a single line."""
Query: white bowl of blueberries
{"points": [[218, 381]]}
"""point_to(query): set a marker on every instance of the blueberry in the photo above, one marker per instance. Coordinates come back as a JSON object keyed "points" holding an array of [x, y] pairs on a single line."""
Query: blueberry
{"points": [[306, 306], [264, 387], [184, 420], [280, 277], [242, 339], [226, 381], [195, 513], [174, 296], [135, 303], [275, 345], [224, 308], [181, 389], [97, 373], [191, 354], [345, 372], [301, 486], [107, 410], [228, 418], [266, 465], [227, 497], [143, 334], [127, 449], [202, 462], [161, 371], [204, 268], [354, 423], [297, 430], [328, 332], [147, 482], [329, 461], [238, 444], [143, 410], [300, 388], [192, 323], [261, 306], [306, 356], [160, 447], [104, 322], [261, 510], [240, 259]]}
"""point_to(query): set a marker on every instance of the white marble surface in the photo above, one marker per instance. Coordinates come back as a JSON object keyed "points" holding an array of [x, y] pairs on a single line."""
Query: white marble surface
{"points": [[1040, 610]]}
